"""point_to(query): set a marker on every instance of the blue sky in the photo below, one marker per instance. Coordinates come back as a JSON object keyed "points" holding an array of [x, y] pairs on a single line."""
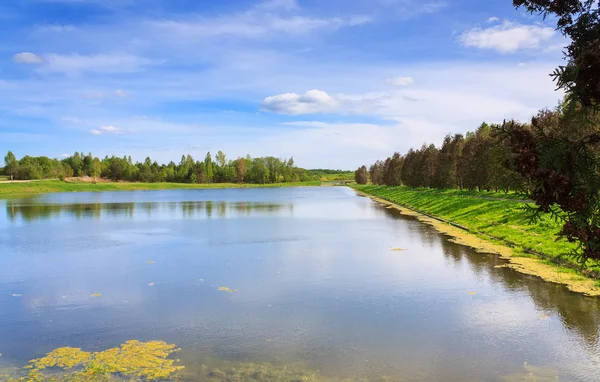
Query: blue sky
{"points": [[335, 83]]}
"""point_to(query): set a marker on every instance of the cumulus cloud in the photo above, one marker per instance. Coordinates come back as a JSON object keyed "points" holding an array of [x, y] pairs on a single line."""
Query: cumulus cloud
{"points": [[311, 102], [508, 37], [27, 58], [109, 129], [400, 81], [120, 93], [493, 19]]}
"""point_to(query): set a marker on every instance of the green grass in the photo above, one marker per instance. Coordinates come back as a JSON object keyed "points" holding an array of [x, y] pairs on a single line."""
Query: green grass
{"points": [[495, 214], [8, 190]]}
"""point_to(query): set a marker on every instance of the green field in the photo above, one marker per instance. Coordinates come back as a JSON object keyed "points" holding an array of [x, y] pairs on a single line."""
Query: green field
{"points": [[8, 190], [495, 214]]}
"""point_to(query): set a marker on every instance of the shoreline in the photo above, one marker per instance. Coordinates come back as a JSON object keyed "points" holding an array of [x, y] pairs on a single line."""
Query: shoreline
{"points": [[11, 190], [575, 282]]}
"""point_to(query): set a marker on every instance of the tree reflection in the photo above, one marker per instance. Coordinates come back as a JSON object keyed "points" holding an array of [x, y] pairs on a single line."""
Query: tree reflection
{"points": [[577, 312], [19, 210]]}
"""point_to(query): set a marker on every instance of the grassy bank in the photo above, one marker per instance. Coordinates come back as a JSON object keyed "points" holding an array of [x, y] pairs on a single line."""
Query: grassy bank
{"points": [[8, 190], [493, 214]]}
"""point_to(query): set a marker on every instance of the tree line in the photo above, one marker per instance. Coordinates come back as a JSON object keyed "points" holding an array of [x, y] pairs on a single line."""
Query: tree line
{"points": [[472, 161], [210, 170]]}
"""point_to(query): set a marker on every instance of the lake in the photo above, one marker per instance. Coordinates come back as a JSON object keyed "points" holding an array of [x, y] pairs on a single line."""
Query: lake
{"points": [[313, 282]]}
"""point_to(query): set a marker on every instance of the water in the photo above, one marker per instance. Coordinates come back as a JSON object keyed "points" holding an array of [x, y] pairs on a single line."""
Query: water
{"points": [[318, 288]]}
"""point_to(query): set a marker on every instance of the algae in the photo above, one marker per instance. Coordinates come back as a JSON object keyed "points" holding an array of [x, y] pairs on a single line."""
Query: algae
{"points": [[95, 295], [227, 289], [132, 360], [527, 265]]}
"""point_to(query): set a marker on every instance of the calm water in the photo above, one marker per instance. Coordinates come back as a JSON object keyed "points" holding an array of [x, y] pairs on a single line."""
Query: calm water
{"points": [[317, 286]]}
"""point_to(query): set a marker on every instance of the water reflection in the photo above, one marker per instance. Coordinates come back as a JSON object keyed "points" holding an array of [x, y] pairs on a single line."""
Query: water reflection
{"points": [[29, 212], [580, 314], [317, 283]]}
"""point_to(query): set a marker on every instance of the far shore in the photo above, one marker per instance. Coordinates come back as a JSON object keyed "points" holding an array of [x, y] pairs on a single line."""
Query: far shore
{"points": [[19, 189]]}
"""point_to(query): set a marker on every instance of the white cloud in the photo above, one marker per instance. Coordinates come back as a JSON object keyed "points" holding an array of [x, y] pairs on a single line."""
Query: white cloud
{"points": [[27, 58], [109, 129], [265, 19], [493, 19], [311, 102], [100, 63], [64, 155], [120, 93], [400, 81], [508, 37]]}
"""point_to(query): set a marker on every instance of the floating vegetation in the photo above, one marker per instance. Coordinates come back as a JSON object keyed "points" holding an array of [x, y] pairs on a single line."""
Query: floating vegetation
{"points": [[95, 295], [397, 249], [132, 360], [227, 289]]}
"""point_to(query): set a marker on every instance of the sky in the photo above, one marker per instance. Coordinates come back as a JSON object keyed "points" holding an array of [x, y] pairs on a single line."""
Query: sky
{"points": [[333, 84]]}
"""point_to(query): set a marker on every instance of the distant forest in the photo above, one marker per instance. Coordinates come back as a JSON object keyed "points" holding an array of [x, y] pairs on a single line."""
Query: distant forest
{"points": [[210, 170]]}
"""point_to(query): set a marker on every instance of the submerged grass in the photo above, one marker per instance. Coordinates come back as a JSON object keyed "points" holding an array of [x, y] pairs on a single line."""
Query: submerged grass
{"points": [[501, 216], [48, 186]]}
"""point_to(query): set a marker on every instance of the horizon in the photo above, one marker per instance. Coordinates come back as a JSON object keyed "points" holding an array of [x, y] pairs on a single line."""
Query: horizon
{"points": [[335, 85]]}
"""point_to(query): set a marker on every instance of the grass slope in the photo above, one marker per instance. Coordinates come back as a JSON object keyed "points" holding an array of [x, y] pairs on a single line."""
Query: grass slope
{"points": [[499, 215], [47, 186]]}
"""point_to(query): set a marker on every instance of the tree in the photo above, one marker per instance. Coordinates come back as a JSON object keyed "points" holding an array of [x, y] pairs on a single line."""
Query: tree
{"points": [[360, 176], [221, 159], [579, 21], [392, 170], [559, 155], [561, 166], [96, 168], [208, 168], [240, 170], [10, 165], [376, 172]]}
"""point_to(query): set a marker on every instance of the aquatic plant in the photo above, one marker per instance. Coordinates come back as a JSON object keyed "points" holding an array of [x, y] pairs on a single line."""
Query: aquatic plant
{"points": [[132, 360], [252, 372]]}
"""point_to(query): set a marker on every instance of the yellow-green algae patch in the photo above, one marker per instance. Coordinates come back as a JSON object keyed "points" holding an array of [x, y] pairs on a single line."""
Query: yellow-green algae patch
{"points": [[525, 265], [227, 289], [133, 360]]}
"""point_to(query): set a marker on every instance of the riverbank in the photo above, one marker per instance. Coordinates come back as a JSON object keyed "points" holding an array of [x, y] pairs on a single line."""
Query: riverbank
{"points": [[10, 190], [494, 223]]}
